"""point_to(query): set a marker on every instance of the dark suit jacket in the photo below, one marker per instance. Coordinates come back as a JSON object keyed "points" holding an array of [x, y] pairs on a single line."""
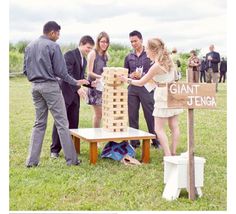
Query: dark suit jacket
{"points": [[75, 69], [223, 66], [214, 62]]}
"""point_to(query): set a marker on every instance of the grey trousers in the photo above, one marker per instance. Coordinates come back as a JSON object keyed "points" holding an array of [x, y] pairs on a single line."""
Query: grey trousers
{"points": [[48, 96], [212, 77]]}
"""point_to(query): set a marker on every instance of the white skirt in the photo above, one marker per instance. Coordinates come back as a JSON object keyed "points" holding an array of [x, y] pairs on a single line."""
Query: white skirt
{"points": [[160, 107]]}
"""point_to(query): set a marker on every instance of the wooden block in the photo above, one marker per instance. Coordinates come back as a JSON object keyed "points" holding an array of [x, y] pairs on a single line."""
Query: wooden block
{"points": [[110, 75], [117, 114], [114, 94], [115, 99], [111, 116], [118, 120], [111, 89], [115, 105], [116, 129]]}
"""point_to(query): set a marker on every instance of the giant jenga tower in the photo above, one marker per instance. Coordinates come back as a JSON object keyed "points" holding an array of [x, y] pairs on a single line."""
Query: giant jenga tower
{"points": [[114, 100]]}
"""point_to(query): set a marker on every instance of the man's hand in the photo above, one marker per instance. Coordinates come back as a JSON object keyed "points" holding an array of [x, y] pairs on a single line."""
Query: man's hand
{"points": [[209, 58], [82, 92], [82, 82], [132, 75], [135, 75]]}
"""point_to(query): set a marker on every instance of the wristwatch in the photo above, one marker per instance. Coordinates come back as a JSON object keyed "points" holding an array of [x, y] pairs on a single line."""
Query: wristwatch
{"points": [[129, 81]]}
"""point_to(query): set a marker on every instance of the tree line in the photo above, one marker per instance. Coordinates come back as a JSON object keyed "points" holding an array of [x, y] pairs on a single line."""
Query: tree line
{"points": [[117, 53]]}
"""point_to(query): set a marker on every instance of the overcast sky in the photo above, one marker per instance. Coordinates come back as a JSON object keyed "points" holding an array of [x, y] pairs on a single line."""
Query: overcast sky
{"points": [[184, 24]]}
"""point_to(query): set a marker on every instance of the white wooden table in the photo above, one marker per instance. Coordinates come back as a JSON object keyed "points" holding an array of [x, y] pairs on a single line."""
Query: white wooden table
{"points": [[95, 135]]}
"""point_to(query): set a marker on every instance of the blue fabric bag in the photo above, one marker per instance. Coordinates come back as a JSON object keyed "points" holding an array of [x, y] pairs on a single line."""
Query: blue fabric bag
{"points": [[117, 151]]}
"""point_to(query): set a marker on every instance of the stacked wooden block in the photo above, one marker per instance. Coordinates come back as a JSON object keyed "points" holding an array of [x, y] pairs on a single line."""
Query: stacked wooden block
{"points": [[114, 100]]}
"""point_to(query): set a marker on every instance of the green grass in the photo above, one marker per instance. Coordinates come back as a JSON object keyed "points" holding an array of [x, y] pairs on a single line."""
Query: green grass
{"points": [[110, 185]]}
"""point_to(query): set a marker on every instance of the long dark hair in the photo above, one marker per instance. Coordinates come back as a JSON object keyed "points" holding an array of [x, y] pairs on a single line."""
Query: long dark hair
{"points": [[99, 37]]}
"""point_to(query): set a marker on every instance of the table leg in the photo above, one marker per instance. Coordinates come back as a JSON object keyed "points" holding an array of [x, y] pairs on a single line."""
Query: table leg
{"points": [[146, 151], [76, 142], [93, 152]]}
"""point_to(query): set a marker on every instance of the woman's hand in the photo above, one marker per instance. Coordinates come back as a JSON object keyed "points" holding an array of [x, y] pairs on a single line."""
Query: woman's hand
{"points": [[123, 78]]}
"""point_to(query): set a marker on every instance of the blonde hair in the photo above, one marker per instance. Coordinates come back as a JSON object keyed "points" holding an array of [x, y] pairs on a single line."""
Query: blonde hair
{"points": [[99, 37], [157, 46]]}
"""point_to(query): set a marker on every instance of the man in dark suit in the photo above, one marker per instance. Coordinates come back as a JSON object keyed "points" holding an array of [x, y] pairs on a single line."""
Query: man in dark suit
{"points": [[138, 64], [223, 69], [203, 70], [212, 70], [76, 64]]}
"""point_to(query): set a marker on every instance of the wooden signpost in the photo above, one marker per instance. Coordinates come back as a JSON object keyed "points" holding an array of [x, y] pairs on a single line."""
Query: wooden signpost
{"points": [[190, 96]]}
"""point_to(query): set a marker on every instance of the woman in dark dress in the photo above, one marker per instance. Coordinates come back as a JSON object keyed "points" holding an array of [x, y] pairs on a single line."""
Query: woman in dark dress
{"points": [[97, 59]]}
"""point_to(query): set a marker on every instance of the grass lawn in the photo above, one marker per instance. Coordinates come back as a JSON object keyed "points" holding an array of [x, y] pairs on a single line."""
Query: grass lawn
{"points": [[110, 185]]}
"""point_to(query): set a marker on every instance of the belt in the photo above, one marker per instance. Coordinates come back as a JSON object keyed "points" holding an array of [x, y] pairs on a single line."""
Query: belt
{"points": [[160, 85]]}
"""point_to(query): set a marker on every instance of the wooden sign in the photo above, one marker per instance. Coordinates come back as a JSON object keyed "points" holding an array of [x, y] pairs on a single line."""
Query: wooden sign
{"points": [[191, 95]]}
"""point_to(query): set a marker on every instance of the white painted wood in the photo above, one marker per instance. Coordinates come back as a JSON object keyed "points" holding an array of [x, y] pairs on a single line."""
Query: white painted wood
{"points": [[176, 175], [101, 134]]}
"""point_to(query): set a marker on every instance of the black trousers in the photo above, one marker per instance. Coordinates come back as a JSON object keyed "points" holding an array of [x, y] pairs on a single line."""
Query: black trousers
{"points": [[73, 118], [137, 95], [222, 74], [202, 76]]}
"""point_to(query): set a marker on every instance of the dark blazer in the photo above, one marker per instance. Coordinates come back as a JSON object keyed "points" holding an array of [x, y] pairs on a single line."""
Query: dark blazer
{"points": [[75, 69], [214, 62], [223, 66], [203, 66]]}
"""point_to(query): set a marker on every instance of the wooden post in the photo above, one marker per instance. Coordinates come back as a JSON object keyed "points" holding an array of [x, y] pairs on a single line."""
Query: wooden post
{"points": [[191, 167]]}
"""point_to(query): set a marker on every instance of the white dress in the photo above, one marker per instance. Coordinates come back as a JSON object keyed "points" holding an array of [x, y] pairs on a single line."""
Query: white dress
{"points": [[160, 96]]}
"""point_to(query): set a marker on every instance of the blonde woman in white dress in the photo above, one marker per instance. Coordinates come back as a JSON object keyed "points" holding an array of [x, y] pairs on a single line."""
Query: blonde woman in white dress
{"points": [[162, 71]]}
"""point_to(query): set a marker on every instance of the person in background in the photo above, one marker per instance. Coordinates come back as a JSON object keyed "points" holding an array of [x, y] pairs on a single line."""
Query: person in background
{"points": [[176, 59], [203, 70], [97, 60], [76, 65], [162, 72], [223, 69], [43, 63], [138, 65], [212, 70], [193, 67]]}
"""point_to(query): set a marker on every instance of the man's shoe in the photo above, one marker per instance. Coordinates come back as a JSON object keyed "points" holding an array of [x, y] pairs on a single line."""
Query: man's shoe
{"points": [[54, 155], [75, 164], [135, 146], [33, 165], [135, 143], [156, 144], [78, 163]]}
